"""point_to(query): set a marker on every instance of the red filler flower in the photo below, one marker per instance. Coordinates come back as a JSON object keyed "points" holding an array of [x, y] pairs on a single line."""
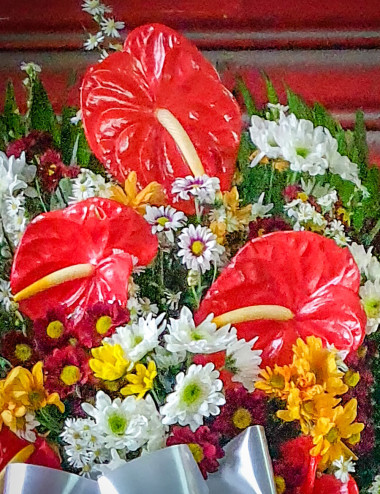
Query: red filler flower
{"points": [[159, 108], [78, 256], [287, 285], [203, 444]]}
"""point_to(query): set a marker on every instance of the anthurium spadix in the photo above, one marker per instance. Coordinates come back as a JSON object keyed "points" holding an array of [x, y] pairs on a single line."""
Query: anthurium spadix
{"points": [[79, 256], [287, 285], [159, 108]]}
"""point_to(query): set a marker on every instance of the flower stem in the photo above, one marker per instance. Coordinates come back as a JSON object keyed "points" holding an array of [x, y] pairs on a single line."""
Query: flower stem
{"points": [[372, 234], [40, 195]]}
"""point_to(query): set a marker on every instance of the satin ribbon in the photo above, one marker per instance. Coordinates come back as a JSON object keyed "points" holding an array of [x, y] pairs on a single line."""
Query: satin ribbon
{"points": [[245, 469]]}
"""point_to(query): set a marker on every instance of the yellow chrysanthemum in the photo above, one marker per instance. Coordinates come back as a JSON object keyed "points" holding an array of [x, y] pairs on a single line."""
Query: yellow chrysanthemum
{"points": [[141, 382], [109, 362], [312, 358], [24, 390], [153, 194], [329, 432], [233, 218], [276, 381]]}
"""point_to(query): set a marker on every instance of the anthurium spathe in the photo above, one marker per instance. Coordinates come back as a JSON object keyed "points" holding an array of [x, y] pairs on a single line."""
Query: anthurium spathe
{"points": [[79, 256], [159, 108], [288, 285]]}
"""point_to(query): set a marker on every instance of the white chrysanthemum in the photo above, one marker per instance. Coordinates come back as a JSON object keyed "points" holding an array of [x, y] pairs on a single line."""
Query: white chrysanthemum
{"points": [[341, 165], [244, 362], [262, 134], [137, 340], [368, 264], [259, 210], [110, 27], [197, 394], [156, 431], [370, 298], [278, 107], [120, 421], [165, 359], [15, 174], [147, 307], [373, 269], [328, 200], [30, 67], [343, 469], [93, 40], [199, 248], [302, 145], [205, 338], [13, 205], [375, 487], [203, 187], [165, 219]]}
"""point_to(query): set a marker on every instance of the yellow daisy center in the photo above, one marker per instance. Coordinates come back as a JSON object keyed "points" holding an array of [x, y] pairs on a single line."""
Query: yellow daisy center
{"points": [[241, 418], [162, 221], [55, 329], [197, 248], [103, 324], [196, 451], [70, 375], [36, 398], [23, 352]]}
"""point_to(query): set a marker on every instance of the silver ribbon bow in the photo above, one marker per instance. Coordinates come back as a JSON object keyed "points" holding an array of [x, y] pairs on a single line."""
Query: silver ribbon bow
{"points": [[245, 469]]}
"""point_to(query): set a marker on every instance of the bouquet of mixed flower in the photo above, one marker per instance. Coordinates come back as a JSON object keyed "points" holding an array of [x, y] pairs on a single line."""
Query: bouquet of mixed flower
{"points": [[173, 275]]}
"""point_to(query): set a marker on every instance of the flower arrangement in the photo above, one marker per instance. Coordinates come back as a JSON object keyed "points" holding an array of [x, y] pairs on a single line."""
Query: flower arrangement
{"points": [[171, 276]]}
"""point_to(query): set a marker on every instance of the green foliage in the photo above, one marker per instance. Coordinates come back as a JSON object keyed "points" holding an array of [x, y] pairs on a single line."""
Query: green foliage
{"points": [[246, 148], [323, 118], [11, 119], [69, 134], [41, 113], [51, 420], [360, 142], [249, 102], [298, 106], [271, 91], [60, 198]]}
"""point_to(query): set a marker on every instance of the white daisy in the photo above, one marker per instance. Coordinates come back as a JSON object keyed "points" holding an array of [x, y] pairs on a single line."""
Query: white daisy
{"points": [[137, 340], [30, 67], [146, 307], [93, 40], [327, 201], [375, 487], [373, 269], [15, 174], [343, 469], [172, 299], [368, 264], [95, 7], [28, 430], [244, 362], [259, 210], [205, 338], [370, 298], [156, 431], [336, 231], [89, 184], [6, 295], [199, 248], [110, 27], [13, 204], [197, 394], [165, 219], [165, 359], [304, 214], [120, 421], [203, 187], [80, 436]]}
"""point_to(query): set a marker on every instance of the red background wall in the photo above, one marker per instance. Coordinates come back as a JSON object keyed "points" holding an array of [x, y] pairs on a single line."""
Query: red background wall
{"points": [[327, 50]]}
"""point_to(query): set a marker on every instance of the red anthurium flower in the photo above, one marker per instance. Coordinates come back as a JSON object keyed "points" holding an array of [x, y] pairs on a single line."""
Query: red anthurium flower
{"points": [[328, 484], [13, 447], [288, 285], [79, 256], [159, 108]]}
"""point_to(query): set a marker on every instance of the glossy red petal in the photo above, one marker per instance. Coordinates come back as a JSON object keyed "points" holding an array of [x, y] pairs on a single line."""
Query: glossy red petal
{"points": [[328, 484], [96, 231], [302, 271], [159, 69]]}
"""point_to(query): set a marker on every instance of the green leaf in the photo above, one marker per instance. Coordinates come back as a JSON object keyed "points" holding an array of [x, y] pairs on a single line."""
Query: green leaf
{"points": [[84, 156], [271, 91], [322, 117], [245, 150], [249, 102], [360, 139], [11, 117], [69, 133], [298, 106], [41, 114]]}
